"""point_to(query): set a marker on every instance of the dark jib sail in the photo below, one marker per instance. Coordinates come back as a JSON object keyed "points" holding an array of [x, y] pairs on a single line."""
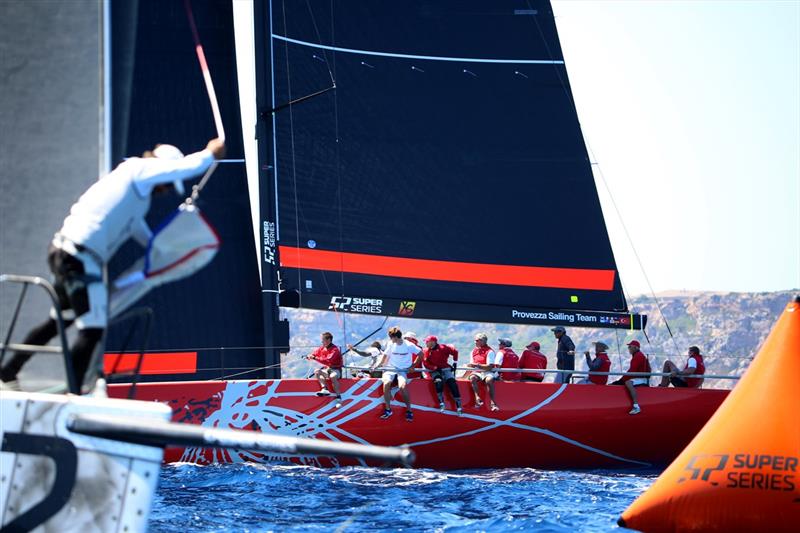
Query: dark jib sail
{"points": [[446, 175]]}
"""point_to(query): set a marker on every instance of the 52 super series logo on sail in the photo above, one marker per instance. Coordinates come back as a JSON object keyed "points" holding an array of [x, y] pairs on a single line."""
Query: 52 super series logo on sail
{"points": [[357, 305]]}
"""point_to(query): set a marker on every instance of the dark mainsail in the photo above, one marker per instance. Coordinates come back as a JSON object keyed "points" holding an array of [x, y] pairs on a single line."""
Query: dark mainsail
{"points": [[446, 175]]}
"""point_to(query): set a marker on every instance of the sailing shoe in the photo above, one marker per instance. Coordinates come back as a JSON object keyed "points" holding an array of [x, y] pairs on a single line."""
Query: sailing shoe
{"points": [[409, 416], [635, 411], [386, 414], [323, 392], [459, 411], [338, 403], [441, 407]]}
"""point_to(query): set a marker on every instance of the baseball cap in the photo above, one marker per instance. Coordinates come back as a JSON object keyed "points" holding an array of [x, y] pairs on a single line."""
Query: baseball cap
{"points": [[534, 346], [481, 336], [170, 153], [634, 343], [558, 328], [601, 346], [431, 338], [504, 342], [410, 335]]}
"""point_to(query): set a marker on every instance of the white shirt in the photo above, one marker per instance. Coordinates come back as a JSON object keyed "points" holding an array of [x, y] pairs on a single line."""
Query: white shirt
{"points": [[373, 353], [112, 210], [691, 363], [400, 356], [495, 358]]}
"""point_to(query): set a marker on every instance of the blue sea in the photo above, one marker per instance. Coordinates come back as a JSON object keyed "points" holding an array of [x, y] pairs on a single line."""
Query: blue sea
{"points": [[250, 497]]}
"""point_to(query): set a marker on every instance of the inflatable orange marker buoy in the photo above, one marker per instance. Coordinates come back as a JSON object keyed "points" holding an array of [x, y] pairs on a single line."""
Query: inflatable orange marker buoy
{"points": [[742, 471]]}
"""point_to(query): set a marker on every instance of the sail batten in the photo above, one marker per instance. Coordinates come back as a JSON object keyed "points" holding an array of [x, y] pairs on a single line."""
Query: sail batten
{"points": [[417, 56]]}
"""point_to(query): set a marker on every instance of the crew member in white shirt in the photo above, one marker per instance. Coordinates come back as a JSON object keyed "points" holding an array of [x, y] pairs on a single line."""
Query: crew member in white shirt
{"points": [[398, 357], [109, 213]]}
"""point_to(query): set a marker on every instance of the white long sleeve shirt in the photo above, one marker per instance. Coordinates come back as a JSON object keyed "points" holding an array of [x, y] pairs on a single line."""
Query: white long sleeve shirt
{"points": [[113, 209]]}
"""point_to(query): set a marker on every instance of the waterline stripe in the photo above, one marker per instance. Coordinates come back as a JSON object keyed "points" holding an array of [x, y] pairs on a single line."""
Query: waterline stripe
{"points": [[412, 56]]}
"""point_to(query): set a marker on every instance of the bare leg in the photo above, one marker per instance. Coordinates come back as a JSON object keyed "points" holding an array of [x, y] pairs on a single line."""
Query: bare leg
{"points": [[406, 397], [632, 392], [320, 378], [335, 383], [490, 386], [669, 366], [387, 395], [474, 380]]}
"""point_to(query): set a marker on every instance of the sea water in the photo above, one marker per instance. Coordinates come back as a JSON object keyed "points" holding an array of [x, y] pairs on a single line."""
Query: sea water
{"points": [[250, 497]]}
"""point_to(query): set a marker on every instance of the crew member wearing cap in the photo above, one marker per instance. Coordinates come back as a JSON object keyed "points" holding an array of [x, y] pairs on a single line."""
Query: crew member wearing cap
{"points": [[600, 363], [485, 361], [639, 363], [565, 354], [510, 359], [436, 358], [533, 359], [109, 213], [411, 337]]}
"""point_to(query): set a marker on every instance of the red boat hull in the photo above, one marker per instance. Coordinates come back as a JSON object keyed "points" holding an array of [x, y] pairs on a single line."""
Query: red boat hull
{"points": [[539, 425]]}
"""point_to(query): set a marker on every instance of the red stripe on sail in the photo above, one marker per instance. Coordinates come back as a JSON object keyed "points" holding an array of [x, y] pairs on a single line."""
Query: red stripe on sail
{"points": [[153, 363], [404, 267]]}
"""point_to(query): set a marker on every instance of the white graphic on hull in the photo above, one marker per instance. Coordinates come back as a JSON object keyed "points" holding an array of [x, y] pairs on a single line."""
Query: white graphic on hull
{"points": [[239, 410]]}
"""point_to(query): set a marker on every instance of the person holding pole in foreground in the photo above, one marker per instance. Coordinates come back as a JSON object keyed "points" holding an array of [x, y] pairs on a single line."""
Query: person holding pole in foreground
{"points": [[109, 213]]}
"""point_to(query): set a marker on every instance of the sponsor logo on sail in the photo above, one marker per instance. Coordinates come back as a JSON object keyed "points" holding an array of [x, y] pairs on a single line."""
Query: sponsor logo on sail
{"points": [[268, 236], [743, 471], [407, 308], [356, 305], [553, 316]]}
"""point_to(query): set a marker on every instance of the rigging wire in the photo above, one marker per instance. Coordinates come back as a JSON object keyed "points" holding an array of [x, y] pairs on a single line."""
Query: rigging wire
{"points": [[592, 157], [297, 214], [212, 98]]}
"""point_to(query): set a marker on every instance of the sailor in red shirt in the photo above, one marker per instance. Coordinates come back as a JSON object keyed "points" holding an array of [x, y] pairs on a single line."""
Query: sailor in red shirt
{"points": [[330, 357], [639, 363], [679, 378], [485, 363], [532, 358], [510, 359], [600, 363], [436, 358]]}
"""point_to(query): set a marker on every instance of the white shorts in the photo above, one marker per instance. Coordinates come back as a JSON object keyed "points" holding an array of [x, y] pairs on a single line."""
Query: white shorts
{"points": [[328, 373], [483, 374], [390, 375]]}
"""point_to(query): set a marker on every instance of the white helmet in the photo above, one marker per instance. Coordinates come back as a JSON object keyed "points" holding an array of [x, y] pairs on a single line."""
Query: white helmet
{"points": [[169, 152]]}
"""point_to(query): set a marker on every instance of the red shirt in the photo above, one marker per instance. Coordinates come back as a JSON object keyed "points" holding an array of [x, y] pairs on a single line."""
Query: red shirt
{"points": [[479, 355], [639, 363], [699, 371], [510, 360], [533, 359], [330, 356], [437, 357], [605, 366]]}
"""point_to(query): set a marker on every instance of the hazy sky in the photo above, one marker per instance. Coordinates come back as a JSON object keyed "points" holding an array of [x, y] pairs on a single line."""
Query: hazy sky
{"points": [[691, 110]]}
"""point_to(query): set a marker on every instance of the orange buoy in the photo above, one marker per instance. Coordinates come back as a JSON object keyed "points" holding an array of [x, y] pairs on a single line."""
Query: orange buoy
{"points": [[742, 471]]}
